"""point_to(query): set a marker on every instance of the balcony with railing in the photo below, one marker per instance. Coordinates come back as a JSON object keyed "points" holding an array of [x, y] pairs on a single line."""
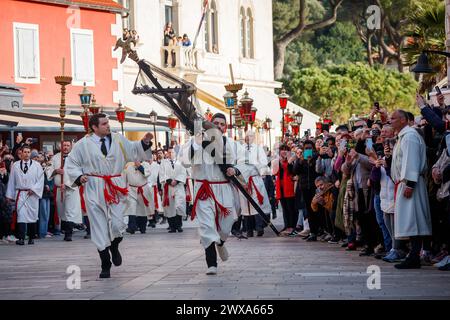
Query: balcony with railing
{"points": [[181, 59]]}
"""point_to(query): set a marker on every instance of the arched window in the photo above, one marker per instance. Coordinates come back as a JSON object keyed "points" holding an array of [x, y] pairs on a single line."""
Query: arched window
{"points": [[211, 29], [242, 27], [249, 34], [246, 32]]}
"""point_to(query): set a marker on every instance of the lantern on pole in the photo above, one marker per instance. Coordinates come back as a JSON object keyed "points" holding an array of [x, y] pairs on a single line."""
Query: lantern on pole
{"points": [[153, 119], [268, 127], [295, 128], [246, 108], [352, 121], [298, 117], [208, 114], [120, 113], [327, 118], [94, 108], [85, 99], [319, 125], [283, 98], [172, 122]]}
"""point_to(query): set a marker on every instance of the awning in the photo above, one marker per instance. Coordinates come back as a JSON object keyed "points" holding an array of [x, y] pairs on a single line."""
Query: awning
{"points": [[28, 121]]}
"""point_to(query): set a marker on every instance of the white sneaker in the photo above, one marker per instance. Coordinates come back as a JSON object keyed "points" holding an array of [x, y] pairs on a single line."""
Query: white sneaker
{"points": [[304, 233], [11, 238], [211, 271], [223, 252]]}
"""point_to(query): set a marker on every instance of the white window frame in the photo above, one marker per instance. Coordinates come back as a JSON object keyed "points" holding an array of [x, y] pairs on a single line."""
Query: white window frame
{"points": [[17, 78], [76, 82]]}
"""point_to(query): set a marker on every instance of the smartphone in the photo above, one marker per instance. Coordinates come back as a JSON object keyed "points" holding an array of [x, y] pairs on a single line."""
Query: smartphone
{"points": [[377, 105], [369, 143], [438, 90], [307, 153], [343, 144], [19, 134]]}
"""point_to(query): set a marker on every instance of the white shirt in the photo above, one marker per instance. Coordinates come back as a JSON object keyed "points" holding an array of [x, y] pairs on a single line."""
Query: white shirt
{"points": [[97, 141]]}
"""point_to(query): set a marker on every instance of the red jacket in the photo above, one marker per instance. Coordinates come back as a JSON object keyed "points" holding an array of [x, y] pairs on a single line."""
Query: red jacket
{"points": [[284, 185]]}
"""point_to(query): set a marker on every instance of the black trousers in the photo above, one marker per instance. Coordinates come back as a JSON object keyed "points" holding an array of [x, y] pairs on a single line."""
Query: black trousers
{"points": [[211, 255], [290, 212], [237, 225], [175, 222], [316, 221], [368, 222], [132, 223], [141, 223], [87, 224], [23, 228]]}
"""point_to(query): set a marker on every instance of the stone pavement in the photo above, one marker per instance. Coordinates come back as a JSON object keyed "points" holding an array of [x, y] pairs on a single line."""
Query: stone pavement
{"points": [[158, 265]]}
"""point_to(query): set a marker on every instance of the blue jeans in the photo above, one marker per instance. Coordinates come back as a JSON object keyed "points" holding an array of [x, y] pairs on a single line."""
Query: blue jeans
{"points": [[44, 214], [380, 219]]}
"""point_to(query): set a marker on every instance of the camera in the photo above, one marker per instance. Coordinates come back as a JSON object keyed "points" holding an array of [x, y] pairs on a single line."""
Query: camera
{"points": [[438, 90]]}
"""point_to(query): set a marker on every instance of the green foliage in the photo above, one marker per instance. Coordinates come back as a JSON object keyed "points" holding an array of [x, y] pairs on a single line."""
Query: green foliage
{"points": [[351, 88]]}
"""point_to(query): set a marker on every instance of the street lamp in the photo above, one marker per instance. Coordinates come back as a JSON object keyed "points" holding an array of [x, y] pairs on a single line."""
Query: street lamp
{"points": [[268, 127], [233, 89], [94, 108], [283, 98], [120, 113], [153, 119], [229, 100], [422, 65], [298, 117], [295, 128], [246, 108]]}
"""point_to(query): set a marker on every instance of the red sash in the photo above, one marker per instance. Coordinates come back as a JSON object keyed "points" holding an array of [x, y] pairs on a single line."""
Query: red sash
{"points": [[140, 190], [111, 191], [83, 203], [55, 195], [206, 192], [14, 217], [166, 195], [188, 192], [252, 185], [155, 195]]}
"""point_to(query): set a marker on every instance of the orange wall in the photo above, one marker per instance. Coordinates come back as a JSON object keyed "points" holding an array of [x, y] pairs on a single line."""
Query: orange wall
{"points": [[54, 44]]}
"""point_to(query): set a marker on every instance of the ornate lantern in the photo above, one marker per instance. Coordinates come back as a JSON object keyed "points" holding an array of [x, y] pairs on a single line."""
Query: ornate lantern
{"points": [[295, 128], [288, 117], [94, 108], [85, 97], [352, 121], [208, 114], [319, 125], [298, 117], [120, 113], [228, 97], [85, 118], [327, 118], [246, 106], [283, 97]]}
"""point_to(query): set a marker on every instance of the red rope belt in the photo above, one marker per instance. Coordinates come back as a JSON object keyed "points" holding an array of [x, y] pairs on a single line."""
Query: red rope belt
{"points": [[111, 191], [166, 195], [15, 213], [205, 192], [83, 202], [252, 185], [55, 196], [155, 195], [140, 190], [188, 192]]}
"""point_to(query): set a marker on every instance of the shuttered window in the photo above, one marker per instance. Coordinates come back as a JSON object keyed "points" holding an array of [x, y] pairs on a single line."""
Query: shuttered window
{"points": [[26, 53], [82, 44]]}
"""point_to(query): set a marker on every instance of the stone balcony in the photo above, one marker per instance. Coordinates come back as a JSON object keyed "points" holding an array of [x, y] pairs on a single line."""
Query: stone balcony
{"points": [[181, 60]]}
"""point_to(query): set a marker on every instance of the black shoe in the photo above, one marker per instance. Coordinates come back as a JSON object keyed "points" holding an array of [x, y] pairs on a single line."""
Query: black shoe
{"points": [[106, 263], [260, 233], [130, 231], [172, 230], [311, 238], [115, 254], [88, 236], [380, 256], [142, 231], [67, 237], [30, 241], [180, 230], [366, 252], [409, 263], [250, 234], [20, 242]]}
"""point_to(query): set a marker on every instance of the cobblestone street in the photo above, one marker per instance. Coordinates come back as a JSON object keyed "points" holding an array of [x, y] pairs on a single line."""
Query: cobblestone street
{"points": [[158, 265]]}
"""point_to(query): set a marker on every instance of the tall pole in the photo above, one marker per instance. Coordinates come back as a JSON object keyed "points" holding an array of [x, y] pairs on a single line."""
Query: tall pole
{"points": [[154, 134], [270, 142], [282, 126], [63, 81], [447, 37]]}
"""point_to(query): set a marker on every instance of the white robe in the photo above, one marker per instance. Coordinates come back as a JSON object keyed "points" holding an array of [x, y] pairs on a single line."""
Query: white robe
{"points": [[135, 201], [68, 207], [204, 168], [27, 205], [152, 180], [412, 216], [239, 153], [176, 194], [253, 165], [86, 158]]}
